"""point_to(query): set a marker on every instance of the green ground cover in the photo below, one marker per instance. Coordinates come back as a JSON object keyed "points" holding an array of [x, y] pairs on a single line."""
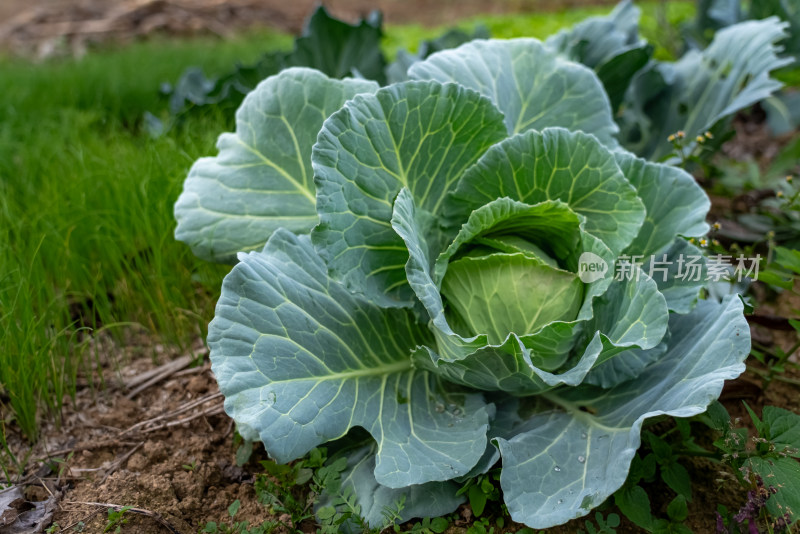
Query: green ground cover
{"points": [[86, 196]]}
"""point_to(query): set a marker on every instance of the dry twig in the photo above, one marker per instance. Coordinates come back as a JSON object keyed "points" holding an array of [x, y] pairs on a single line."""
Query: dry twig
{"points": [[117, 507]]}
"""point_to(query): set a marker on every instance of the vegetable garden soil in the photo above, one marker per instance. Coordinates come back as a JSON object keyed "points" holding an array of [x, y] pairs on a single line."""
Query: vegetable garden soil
{"points": [[169, 451], [396, 11]]}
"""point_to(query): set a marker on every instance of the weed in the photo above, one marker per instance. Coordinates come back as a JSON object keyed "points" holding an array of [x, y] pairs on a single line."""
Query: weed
{"points": [[86, 213], [239, 527], [480, 490], [752, 513], [428, 525], [604, 525], [116, 518]]}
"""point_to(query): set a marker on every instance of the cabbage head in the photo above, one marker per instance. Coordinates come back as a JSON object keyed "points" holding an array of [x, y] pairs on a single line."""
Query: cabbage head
{"points": [[461, 269]]}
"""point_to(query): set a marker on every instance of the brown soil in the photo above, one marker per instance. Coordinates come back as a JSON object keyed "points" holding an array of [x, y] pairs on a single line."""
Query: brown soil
{"points": [[395, 11], [116, 451], [181, 467]]}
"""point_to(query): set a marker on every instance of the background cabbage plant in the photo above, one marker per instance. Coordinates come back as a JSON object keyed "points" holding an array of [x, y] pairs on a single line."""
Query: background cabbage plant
{"points": [[424, 280]]}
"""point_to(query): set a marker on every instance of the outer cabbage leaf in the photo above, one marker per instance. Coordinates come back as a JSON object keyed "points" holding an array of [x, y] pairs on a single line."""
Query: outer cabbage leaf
{"points": [[419, 135], [327, 44], [788, 11], [340, 49], [702, 88], [262, 179], [675, 204], [397, 71], [532, 85], [301, 361], [680, 271], [598, 39], [433, 499], [610, 45], [624, 366], [565, 461]]}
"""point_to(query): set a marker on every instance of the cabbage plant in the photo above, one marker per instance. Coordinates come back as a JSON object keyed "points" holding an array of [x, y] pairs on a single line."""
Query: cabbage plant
{"points": [[460, 269]]}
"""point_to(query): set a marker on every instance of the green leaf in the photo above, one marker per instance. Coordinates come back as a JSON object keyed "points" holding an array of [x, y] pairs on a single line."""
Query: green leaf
{"points": [[556, 164], [702, 88], [788, 11], [661, 448], [788, 259], [534, 88], [439, 524], [782, 428], [756, 421], [719, 417], [783, 112], [234, 507], [623, 366], [677, 477], [340, 49], [244, 452], [781, 474], [570, 459], [680, 271], [675, 204], [398, 70], [610, 45], [616, 73], [327, 44], [632, 316], [418, 135], [262, 178], [634, 503], [477, 500], [301, 361], [424, 500], [612, 521], [677, 509]]}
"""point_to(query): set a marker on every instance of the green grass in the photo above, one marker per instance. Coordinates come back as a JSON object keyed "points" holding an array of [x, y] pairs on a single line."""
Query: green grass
{"points": [[658, 21], [86, 225], [86, 211]]}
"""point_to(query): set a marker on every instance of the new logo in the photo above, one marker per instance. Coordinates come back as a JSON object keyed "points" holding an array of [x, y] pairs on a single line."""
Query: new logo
{"points": [[591, 267]]}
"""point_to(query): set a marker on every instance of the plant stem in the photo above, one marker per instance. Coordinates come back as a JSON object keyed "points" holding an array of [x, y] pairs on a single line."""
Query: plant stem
{"points": [[770, 376]]}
